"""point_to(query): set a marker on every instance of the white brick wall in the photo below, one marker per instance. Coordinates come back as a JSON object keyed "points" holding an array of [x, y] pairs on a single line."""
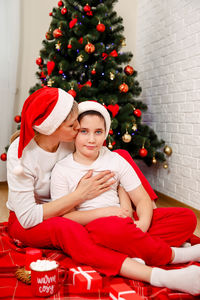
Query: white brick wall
{"points": [[168, 62]]}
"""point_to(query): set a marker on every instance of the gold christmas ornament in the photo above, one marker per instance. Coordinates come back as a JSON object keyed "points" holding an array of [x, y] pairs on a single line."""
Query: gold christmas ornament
{"points": [[134, 127], [154, 160], [126, 138], [80, 58], [123, 42], [58, 45], [110, 146], [165, 165], [168, 150], [112, 76], [50, 82]]}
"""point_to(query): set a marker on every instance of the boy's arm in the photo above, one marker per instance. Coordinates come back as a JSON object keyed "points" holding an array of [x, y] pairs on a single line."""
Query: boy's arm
{"points": [[144, 207], [125, 201]]}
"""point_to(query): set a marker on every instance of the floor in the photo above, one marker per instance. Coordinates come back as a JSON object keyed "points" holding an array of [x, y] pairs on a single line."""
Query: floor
{"points": [[162, 202]]}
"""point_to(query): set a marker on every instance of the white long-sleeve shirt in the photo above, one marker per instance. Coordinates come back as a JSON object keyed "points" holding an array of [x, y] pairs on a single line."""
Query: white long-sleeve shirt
{"points": [[67, 174], [28, 191]]}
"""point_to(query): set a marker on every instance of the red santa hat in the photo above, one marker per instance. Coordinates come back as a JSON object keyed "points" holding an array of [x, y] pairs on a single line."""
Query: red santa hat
{"points": [[44, 111], [93, 105]]}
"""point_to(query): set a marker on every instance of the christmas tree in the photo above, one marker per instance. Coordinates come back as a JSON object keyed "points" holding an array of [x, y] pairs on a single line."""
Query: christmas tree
{"points": [[83, 55]]}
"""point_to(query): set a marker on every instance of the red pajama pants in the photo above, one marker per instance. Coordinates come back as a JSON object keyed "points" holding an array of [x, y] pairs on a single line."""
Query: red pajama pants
{"points": [[72, 238], [170, 226]]}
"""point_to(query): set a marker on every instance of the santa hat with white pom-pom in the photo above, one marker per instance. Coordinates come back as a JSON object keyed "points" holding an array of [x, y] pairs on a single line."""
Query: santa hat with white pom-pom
{"points": [[43, 111]]}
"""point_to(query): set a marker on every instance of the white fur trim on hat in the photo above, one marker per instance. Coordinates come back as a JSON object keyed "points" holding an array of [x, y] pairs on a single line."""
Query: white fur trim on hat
{"points": [[92, 105], [58, 114]]}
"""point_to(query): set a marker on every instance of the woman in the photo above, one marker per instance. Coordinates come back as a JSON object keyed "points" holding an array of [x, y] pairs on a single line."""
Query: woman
{"points": [[49, 124]]}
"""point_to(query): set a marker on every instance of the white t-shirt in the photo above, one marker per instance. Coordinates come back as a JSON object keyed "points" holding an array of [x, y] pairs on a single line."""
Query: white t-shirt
{"points": [[67, 174], [29, 190]]}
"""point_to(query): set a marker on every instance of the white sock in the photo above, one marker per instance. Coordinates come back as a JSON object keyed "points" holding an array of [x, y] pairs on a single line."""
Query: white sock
{"points": [[184, 280], [183, 255], [141, 261]]}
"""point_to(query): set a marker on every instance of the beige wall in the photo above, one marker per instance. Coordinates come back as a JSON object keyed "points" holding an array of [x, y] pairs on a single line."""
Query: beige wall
{"points": [[35, 22]]}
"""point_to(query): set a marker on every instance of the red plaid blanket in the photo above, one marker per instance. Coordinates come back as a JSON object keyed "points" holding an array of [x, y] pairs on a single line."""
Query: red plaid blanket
{"points": [[12, 256]]}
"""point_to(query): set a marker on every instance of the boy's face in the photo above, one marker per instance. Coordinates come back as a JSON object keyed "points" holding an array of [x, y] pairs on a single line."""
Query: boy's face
{"points": [[90, 137]]}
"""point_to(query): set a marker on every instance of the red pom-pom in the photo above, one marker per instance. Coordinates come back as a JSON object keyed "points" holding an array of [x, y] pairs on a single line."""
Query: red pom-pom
{"points": [[57, 33], [137, 113], [143, 152], [60, 3], [39, 61], [3, 156], [17, 119], [72, 92], [101, 27], [87, 8], [63, 11]]}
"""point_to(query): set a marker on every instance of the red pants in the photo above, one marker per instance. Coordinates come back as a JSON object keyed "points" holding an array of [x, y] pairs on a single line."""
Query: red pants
{"points": [[170, 227], [72, 238]]}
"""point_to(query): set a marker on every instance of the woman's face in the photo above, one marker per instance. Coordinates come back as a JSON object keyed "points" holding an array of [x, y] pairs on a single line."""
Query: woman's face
{"points": [[68, 130]]}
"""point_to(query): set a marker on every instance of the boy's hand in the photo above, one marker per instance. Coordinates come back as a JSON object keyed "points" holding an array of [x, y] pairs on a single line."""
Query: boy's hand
{"points": [[115, 211], [142, 225]]}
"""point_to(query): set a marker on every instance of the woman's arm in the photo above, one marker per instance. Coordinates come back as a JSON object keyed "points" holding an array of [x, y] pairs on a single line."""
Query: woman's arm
{"points": [[144, 207], [84, 217]]}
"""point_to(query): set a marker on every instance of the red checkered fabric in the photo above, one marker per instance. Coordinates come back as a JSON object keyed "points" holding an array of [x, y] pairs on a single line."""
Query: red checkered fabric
{"points": [[12, 256]]}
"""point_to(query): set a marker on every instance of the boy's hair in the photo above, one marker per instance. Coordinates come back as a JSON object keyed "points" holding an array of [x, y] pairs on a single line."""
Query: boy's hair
{"points": [[91, 113]]}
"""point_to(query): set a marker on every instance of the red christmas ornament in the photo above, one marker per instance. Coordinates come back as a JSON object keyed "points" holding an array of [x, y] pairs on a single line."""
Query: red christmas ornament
{"points": [[57, 33], [128, 70], [123, 88], [111, 132], [39, 61], [60, 3], [89, 13], [73, 22], [48, 35], [114, 109], [93, 72], [60, 72], [63, 11], [69, 46], [17, 119], [42, 75], [80, 40], [87, 8], [137, 113], [50, 14], [101, 27], [50, 66], [72, 92], [143, 152], [3, 156], [88, 83], [89, 48]]}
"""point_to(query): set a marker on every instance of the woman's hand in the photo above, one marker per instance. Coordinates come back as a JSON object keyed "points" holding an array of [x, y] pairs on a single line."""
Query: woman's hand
{"points": [[90, 186]]}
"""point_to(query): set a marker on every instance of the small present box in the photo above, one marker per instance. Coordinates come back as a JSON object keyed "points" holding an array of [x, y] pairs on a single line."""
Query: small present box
{"points": [[85, 279], [122, 291]]}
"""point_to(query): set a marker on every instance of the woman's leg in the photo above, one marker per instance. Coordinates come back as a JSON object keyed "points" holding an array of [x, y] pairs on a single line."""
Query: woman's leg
{"points": [[72, 238]]}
